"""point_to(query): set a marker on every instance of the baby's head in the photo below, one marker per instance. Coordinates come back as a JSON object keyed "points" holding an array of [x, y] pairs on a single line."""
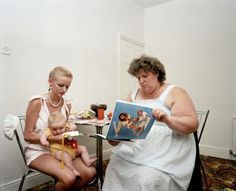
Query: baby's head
{"points": [[57, 123]]}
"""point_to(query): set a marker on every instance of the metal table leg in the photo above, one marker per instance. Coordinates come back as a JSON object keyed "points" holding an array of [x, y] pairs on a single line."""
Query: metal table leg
{"points": [[99, 153]]}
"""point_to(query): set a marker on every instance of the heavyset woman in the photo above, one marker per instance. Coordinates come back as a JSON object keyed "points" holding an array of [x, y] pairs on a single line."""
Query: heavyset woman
{"points": [[164, 161]]}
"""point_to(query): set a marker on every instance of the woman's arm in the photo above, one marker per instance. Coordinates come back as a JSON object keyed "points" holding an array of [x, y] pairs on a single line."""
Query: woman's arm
{"points": [[183, 119], [32, 114]]}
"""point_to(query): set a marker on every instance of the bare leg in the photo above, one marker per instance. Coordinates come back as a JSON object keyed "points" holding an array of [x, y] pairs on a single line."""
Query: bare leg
{"points": [[66, 158], [87, 174], [85, 156], [47, 164]]}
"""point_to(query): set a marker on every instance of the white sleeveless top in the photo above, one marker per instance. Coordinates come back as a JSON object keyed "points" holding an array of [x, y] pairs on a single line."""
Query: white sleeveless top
{"points": [[34, 150], [163, 149]]}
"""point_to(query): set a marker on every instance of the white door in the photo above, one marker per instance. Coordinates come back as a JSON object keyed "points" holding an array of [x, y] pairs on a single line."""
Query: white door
{"points": [[128, 50]]}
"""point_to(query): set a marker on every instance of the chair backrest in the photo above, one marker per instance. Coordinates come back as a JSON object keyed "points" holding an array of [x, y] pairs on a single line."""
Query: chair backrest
{"points": [[196, 180], [202, 118], [20, 137]]}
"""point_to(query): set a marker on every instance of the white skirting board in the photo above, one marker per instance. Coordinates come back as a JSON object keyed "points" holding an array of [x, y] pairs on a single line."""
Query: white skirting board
{"points": [[233, 151], [219, 152], [31, 181]]}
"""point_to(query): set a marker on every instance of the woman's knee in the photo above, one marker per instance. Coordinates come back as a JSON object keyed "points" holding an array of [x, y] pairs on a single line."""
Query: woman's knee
{"points": [[90, 172], [68, 179]]}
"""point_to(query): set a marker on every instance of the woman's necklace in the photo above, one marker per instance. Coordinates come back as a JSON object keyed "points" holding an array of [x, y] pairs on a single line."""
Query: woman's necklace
{"points": [[52, 104]]}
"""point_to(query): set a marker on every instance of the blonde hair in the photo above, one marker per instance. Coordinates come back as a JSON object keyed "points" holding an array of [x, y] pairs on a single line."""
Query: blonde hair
{"points": [[56, 119], [61, 71]]}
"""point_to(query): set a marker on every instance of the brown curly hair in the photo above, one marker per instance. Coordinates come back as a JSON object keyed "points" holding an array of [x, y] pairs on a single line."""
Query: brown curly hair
{"points": [[148, 64]]}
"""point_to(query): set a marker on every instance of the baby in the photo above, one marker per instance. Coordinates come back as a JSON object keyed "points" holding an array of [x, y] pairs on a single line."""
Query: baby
{"points": [[64, 152]]}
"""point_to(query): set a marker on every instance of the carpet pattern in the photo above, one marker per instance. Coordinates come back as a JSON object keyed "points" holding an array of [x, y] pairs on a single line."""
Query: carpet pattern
{"points": [[220, 173], [221, 176]]}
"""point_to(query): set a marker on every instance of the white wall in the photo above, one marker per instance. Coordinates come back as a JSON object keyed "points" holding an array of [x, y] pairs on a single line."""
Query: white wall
{"points": [[79, 34], [196, 41]]}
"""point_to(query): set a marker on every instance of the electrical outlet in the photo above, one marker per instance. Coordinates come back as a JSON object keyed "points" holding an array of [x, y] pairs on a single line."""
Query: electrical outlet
{"points": [[5, 49]]}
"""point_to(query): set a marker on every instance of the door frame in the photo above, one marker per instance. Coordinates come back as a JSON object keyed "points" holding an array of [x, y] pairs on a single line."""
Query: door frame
{"points": [[130, 40]]}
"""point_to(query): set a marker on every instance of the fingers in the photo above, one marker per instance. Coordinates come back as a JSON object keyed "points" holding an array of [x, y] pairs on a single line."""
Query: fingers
{"points": [[113, 143], [158, 114]]}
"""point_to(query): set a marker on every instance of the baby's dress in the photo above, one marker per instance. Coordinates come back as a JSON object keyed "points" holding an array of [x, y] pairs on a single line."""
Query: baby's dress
{"points": [[163, 161], [32, 151], [54, 147]]}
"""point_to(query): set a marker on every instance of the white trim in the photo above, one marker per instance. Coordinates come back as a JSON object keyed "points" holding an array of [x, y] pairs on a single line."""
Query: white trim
{"points": [[131, 40], [32, 180], [219, 152], [118, 63]]}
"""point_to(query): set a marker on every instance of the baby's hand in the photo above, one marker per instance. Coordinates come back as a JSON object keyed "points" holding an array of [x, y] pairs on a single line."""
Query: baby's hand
{"points": [[43, 139], [70, 126], [44, 143]]}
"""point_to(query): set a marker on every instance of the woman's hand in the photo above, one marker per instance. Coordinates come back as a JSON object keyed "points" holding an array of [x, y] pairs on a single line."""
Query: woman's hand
{"points": [[159, 115], [113, 143]]}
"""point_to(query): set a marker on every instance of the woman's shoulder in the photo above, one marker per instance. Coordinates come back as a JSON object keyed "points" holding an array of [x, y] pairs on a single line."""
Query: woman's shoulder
{"points": [[38, 96], [38, 99], [176, 93], [177, 89]]}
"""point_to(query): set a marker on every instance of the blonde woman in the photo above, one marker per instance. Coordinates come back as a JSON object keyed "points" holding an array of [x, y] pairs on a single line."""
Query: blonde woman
{"points": [[39, 156]]}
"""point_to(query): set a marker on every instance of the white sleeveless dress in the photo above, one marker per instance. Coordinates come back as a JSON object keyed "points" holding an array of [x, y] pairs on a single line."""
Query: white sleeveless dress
{"points": [[32, 151], [164, 161]]}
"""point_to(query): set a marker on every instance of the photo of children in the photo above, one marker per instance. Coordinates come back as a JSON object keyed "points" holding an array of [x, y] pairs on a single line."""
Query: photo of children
{"points": [[130, 121], [137, 123]]}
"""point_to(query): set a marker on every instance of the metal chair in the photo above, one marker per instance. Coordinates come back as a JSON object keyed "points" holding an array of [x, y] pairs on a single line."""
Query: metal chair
{"points": [[202, 118], [196, 180], [18, 132]]}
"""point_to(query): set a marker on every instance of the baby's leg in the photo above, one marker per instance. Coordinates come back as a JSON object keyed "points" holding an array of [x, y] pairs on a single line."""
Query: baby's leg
{"points": [[82, 150], [66, 158]]}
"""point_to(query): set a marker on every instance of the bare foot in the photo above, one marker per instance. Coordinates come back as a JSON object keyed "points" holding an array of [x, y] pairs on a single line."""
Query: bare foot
{"points": [[90, 162]]}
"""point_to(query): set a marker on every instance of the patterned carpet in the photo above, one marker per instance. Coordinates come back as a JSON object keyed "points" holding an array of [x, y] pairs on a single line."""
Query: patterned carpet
{"points": [[221, 176], [221, 173]]}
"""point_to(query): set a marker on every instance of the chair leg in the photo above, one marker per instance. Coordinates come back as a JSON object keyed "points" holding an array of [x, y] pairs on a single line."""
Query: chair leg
{"points": [[53, 183], [23, 180], [204, 174]]}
